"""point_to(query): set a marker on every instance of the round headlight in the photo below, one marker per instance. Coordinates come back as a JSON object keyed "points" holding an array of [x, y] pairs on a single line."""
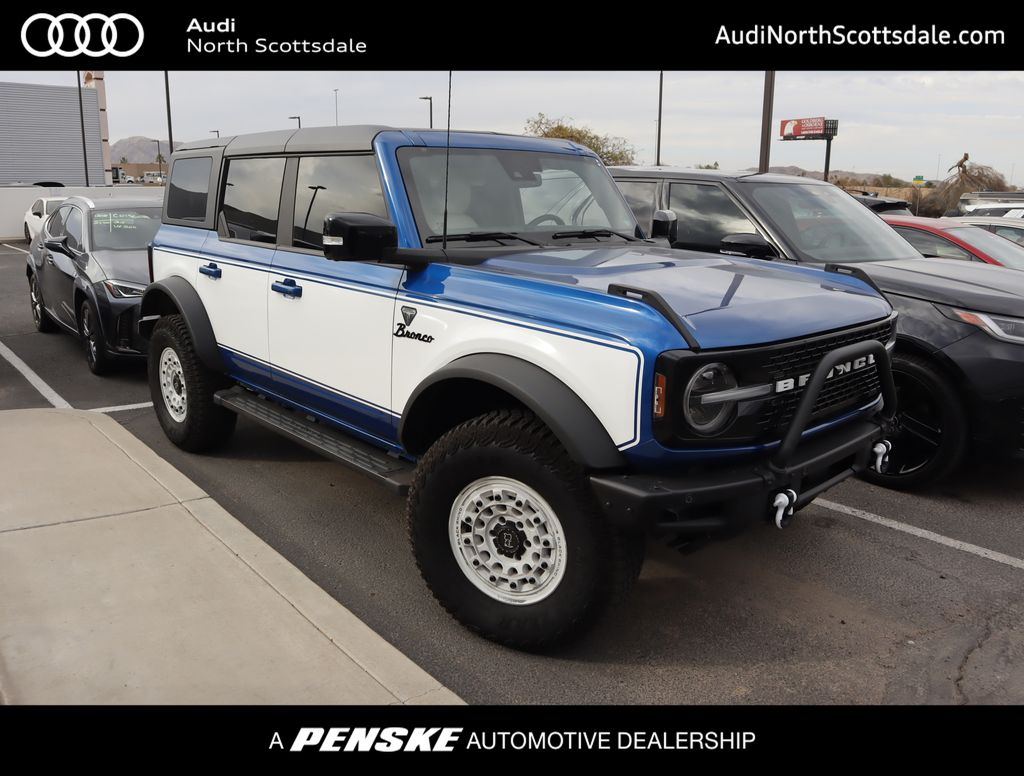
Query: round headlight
{"points": [[708, 419]]}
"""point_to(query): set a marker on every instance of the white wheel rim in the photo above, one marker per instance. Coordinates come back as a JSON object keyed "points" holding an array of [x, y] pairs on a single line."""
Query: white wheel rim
{"points": [[172, 385], [507, 540]]}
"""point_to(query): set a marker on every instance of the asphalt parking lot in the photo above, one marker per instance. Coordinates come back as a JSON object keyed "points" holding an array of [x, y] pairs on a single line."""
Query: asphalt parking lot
{"points": [[874, 597]]}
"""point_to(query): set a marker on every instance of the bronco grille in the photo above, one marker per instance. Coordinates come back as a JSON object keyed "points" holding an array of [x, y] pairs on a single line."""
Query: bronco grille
{"points": [[840, 394]]}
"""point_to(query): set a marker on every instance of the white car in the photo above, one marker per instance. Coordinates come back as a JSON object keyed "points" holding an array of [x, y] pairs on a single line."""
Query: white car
{"points": [[1010, 228], [37, 213]]}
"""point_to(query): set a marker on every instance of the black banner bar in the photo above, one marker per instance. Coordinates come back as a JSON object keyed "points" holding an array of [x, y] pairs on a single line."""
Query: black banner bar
{"points": [[200, 36], [340, 736]]}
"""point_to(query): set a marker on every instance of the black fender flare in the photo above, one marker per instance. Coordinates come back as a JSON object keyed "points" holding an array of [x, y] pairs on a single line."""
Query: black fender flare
{"points": [[178, 293], [566, 414]]}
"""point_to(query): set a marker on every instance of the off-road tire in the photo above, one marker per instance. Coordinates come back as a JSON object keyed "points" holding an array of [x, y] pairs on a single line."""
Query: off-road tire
{"points": [[205, 425], [601, 563]]}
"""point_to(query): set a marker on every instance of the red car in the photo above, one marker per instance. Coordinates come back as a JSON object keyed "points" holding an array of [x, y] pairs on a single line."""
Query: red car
{"points": [[944, 238]]}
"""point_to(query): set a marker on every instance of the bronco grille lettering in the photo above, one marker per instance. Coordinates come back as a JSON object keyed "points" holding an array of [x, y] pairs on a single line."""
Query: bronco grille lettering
{"points": [[839, 370]]}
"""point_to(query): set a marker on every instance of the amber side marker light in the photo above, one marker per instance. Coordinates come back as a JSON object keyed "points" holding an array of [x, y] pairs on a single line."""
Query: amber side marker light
{"points": [[659, 395]]}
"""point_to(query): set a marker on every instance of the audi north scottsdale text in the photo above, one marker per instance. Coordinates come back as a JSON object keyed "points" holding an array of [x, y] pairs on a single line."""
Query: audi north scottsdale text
{"points": [[532, 411]]}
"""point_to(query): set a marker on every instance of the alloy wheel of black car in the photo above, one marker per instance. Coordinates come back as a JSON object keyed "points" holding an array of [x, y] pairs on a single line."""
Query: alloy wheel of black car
{"points": [[931, 426], [92, 340], [39, 317]]}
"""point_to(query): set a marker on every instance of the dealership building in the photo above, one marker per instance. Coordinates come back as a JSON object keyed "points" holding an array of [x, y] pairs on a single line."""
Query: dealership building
{"points": [[41, 133]]}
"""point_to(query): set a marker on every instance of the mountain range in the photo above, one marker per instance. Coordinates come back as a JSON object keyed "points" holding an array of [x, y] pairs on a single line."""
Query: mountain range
{"points": [[137, 149]]}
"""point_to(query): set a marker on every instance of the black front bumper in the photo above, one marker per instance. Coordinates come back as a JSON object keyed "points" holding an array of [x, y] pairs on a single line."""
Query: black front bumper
{"points": [[727, 497]]}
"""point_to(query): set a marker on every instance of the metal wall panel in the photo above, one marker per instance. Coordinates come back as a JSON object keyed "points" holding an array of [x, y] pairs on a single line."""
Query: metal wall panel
{"points": [[41, 135]]}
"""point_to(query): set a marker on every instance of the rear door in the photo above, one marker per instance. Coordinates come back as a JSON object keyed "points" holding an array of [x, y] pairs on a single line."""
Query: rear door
{"points": [[642, 198], [234, 277]]}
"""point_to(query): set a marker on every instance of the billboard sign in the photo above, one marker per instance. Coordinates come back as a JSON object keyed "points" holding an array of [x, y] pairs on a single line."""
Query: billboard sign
{"points": [[793, 129]]}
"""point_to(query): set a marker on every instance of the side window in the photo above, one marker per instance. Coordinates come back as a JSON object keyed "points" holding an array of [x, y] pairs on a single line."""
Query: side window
{"points": [[55, 226], [73, 226], [1016, 235], [37, 208], [333, 184], [252, 194], [706, 214], [189, 188], [928, 244], [640, 198]]}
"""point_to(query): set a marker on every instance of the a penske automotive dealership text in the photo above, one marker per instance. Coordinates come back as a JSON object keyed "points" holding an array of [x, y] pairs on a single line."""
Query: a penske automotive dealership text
{"points": [[219, 37], [451, 739]]}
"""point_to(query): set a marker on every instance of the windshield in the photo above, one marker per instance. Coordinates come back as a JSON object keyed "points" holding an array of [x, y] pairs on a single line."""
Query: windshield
{"points": [[825, 224], [529, 195], [124, 230], [1007, 253]]}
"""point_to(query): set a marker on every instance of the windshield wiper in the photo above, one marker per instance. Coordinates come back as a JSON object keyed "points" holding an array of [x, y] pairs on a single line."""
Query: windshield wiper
{"points": [[478, 237], [593, 233]]}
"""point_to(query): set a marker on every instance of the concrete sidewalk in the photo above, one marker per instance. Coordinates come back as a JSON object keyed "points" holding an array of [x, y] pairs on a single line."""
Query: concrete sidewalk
{"points": [[122, 582]]}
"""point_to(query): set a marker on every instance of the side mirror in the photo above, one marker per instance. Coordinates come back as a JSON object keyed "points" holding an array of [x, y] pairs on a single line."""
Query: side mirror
{"points": [[664, 224], [747, 244], [37, 213], [59, 244], [359, 237]]}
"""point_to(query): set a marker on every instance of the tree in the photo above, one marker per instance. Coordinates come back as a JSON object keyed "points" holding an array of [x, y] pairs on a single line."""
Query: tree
{"points": [[612, 150], [887, 181], [707, 166], [124, 160], [160, 159]]}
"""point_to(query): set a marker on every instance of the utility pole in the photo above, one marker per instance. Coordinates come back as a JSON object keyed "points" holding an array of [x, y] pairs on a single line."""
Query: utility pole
{"points": [[335, 107], [766, 120], [661, 90]]}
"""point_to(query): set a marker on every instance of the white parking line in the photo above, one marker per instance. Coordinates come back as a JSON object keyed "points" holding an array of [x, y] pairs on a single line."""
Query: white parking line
{"points": [[14, 248], [922, 533], [123, 407], [37, 382]]}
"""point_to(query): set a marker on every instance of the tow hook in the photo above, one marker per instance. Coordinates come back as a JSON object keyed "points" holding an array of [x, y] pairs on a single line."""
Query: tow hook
{"points": [[881, 453], [783, 504]]}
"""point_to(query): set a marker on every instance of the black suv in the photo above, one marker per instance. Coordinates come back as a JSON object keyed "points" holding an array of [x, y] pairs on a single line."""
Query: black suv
{"points": [[959, 360]]}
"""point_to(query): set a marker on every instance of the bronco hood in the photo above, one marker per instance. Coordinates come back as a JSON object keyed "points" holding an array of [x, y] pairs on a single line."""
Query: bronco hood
{"points": [[725, 301]]}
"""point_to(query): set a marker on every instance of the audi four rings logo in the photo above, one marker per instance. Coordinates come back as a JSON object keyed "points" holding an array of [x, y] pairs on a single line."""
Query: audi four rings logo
{"points": [[84, 40]]}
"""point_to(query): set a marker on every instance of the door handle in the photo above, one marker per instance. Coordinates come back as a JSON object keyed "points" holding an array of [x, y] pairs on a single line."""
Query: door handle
{"points": [[287, 287], [210, 270]]}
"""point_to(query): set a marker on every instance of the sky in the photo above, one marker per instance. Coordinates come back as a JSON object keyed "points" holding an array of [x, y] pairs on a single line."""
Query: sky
{"points": [[903, 123]]}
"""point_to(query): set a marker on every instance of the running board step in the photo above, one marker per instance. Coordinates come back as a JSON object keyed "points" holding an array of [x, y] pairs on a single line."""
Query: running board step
{"points": [[319, 437]]}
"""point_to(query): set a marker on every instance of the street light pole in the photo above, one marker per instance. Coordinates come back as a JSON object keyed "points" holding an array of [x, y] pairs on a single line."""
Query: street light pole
{"points": [[335, 107], [216, 132], [159, 161], [431, 101], [298, 119], [170, 132], [661, 87], [81, 116]]}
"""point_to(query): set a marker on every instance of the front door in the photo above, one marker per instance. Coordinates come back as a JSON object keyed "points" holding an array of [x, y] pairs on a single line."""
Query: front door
{"points": [[59, 270], [330, 322]]}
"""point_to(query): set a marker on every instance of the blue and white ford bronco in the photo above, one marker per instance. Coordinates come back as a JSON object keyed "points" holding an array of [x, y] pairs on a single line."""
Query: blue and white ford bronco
{"points": [[477, 319]]}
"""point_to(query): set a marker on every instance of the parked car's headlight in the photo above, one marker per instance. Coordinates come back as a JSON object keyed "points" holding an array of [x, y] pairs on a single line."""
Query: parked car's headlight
{"points": [[709, 417], [999, 326], [120, 290]]}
